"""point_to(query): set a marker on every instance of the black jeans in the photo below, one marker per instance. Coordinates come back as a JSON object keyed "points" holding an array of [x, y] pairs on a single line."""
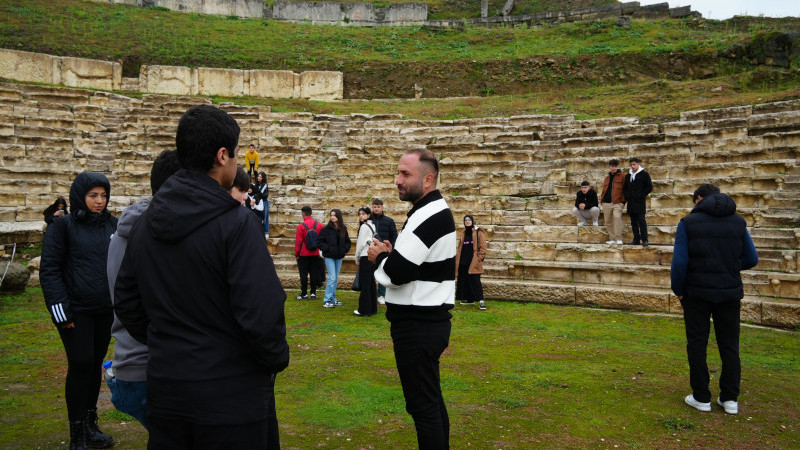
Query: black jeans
{"points": [[308, 267], [696, 315], [170, 434], [368, 297], [86, 345], [639, 226], [417, 348]]}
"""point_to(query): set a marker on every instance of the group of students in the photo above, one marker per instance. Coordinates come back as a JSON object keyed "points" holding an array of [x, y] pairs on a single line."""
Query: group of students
{"points": [[332, 243]]}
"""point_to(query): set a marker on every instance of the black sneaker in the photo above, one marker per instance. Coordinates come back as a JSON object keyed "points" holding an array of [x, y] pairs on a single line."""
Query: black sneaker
{"points": [[645, 243], [301, 297]]}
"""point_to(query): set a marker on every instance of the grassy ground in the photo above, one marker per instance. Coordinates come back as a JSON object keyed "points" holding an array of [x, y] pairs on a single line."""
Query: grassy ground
{"points": [[520, 375]]}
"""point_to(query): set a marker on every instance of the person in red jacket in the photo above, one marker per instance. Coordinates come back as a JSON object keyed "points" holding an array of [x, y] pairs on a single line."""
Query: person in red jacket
{"points": [[307, 259]]}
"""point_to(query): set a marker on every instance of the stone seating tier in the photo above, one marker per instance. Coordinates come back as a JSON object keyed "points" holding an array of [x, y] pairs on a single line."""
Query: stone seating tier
{"points": [[529, 168]]}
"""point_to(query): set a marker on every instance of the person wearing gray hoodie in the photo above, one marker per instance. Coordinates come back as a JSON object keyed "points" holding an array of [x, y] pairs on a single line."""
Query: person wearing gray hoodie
{"points": [[128, 384]]}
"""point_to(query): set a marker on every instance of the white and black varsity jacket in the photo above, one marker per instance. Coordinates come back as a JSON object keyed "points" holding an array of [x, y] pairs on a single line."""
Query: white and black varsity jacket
{"points": [[420, 272]]}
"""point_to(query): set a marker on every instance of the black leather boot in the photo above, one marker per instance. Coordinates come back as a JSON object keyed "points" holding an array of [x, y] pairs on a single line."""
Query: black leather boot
{"points": [[77, 435], [94, 437]]}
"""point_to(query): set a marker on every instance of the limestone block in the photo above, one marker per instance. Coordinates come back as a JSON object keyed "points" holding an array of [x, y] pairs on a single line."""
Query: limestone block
{"points": [[751, 311], [16, 278], [322, 85], [540, 293], [90, 73], [225, 82], [780, 314], [272, 83], [719, 113], [675, 304], [173, 80], [622, 298], [6, 129], [27, 66]]}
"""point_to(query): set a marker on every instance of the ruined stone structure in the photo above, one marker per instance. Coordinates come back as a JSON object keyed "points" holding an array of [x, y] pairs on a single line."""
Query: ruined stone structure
{"points": [[173, 80], [516, 175]]}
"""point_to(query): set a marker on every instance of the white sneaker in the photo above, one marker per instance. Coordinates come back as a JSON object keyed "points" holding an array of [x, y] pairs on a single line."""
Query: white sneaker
{"points": [[582, 224], [611, 242], [266, 236], [618, 242], [700, 406], [596, 223], [730, 406], [381, 301]]}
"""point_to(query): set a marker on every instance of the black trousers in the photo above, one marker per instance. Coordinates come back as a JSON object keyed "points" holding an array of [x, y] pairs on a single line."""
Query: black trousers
{"points": [[696, 315], [308, 268], [174, 434], [639, 226], [417, 348], [368, 297], [86, 345]]}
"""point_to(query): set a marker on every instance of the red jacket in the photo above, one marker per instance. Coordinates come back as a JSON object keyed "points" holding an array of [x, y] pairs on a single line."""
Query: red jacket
{"points": [[300, 238]]}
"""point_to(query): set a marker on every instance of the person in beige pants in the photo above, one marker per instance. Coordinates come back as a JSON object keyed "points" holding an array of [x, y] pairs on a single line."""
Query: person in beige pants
{"points": [[613, 200]]}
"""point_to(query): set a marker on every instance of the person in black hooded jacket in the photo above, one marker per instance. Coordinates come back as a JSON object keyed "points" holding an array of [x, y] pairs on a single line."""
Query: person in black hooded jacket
{"points": [[72, 277], [200, 288], [712, 247], [334, 243]]}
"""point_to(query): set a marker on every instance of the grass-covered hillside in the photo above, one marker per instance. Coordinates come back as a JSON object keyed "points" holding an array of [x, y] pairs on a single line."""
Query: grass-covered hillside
{"points": [[660, 66]]}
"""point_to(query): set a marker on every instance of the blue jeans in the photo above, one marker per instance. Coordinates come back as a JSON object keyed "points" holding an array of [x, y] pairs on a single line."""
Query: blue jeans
{"points": [[266, 216], [130, 397], [334, 266]]}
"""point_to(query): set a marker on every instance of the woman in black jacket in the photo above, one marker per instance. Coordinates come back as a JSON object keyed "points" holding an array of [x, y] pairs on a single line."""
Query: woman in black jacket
{"points": [[57, 209], [334, 242], [262, 190], [73, 279]]}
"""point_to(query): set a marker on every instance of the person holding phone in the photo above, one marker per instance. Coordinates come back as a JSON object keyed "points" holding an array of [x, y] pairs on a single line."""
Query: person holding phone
{"points": [[368, 299]]}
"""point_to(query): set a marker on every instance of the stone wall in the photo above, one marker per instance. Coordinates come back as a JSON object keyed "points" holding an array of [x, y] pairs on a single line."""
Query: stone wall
{"points": [[240, 8], [173, 80], [356, 14], [75, 72]]}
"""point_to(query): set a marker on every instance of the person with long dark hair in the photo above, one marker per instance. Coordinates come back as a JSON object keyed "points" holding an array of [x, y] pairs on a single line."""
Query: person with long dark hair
{"points": [[334, 243], [470, 251], [73, 279], [368, 297], [57, 209]]}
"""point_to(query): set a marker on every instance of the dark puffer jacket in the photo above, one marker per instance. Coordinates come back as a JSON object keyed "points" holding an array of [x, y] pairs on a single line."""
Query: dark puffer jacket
{"points": [[331, 244], [73, 270], [712, 246]]}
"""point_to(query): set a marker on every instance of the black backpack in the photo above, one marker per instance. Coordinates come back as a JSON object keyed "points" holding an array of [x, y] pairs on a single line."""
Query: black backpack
{"points": [[311, 236]]}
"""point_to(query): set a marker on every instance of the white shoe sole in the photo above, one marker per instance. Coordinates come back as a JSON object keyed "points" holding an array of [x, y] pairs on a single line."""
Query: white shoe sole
{"points": [[700, 406], [729, 409]]}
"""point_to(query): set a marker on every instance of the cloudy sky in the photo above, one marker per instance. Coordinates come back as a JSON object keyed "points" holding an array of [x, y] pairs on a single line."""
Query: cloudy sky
{"points": [[725, 9]]}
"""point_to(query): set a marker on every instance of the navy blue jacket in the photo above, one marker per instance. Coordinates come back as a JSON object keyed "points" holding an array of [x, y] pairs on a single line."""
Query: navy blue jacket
{"points": [[712, 246], [74, 255], [385, 227]]}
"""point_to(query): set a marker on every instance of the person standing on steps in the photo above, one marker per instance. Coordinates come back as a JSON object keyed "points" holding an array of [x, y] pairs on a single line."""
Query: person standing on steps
{"points": [[470, 252], [251, 161], [613, 199], [638, 186]]}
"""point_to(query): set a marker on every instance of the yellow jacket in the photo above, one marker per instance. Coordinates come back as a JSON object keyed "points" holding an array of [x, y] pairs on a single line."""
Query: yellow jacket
{"points": [[251, 156]]}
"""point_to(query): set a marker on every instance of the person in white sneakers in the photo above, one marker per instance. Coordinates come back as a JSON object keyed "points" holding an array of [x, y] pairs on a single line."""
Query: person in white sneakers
{"points": [[712, 247], [613, 201]]}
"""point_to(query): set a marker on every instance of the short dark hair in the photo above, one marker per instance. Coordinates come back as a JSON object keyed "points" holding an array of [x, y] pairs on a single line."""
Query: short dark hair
{"points": [[202, 131], [306, 210], [377, 201], [585, 183], [242, 180], [704, 191], [613, 162], [635, 159], [163, 167], [426, 156]]}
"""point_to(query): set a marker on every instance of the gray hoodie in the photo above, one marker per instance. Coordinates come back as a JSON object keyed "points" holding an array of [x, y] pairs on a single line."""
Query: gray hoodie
{"points": [[130, 355]]}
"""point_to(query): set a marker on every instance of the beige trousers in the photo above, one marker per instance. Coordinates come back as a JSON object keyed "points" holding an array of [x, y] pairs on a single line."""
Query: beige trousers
{"points": [[612, 215]]}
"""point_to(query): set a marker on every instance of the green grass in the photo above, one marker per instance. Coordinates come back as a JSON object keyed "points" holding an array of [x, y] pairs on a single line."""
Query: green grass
{"points": [[519, 375]]}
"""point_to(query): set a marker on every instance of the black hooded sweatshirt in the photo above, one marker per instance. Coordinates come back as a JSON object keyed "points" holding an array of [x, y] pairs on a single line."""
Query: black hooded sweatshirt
{"points": [[74, 254], [198, 285]]}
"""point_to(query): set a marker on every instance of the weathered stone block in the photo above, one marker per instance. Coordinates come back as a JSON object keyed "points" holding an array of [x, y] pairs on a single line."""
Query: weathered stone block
{"points": [[90, 73], [173, 80], [273, 83], [322, 85], [623, 299], [27, 66], [225, 82], [16, 278]]}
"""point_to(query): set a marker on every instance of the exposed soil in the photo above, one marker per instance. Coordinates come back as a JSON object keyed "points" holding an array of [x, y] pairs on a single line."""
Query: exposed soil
{"points": [[518, 76]]}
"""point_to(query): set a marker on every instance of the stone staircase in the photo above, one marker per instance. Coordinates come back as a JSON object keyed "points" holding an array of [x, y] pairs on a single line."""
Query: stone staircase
{"points": [[516, 175]]}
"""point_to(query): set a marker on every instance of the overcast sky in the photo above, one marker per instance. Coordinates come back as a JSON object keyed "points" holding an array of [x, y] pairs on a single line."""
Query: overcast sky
{"points": [[725, 9]]}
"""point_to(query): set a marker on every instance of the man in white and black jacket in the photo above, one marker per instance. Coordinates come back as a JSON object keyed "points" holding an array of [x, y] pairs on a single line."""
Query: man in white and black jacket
{"points": [[419, 274]]}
